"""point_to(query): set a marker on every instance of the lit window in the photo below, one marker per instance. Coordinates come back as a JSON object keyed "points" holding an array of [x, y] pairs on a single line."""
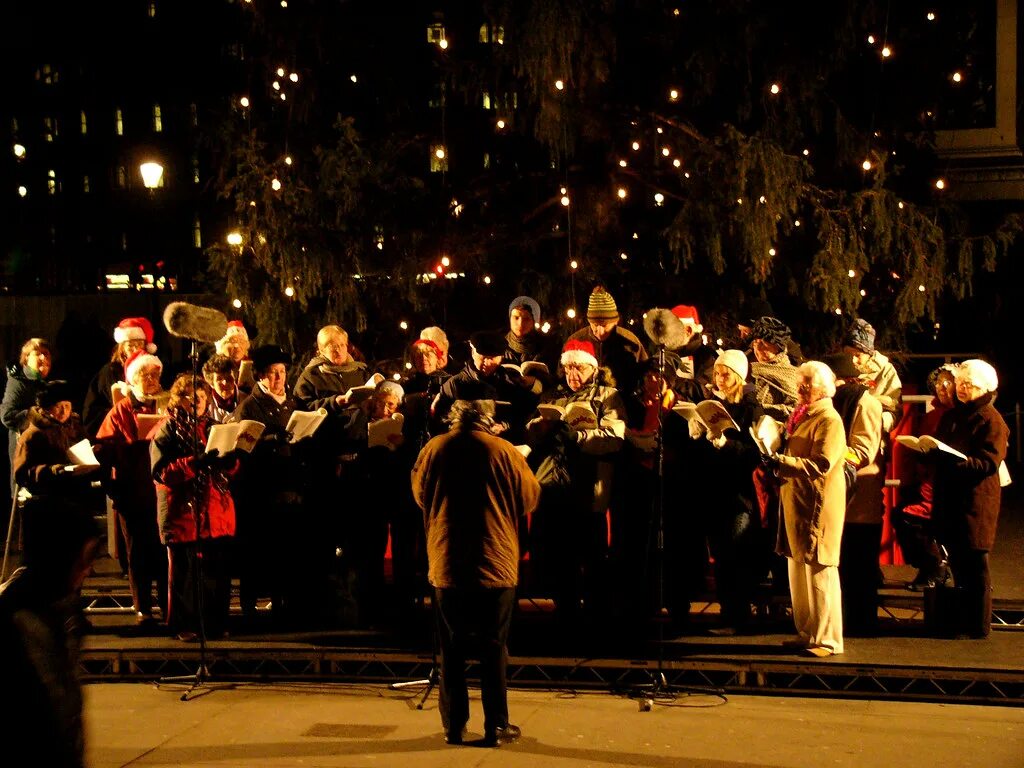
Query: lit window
{"points": [[486, 99], [50, 127], [197, 233], [435, 33], [498, 36], [48, 75], [485, 33], [85, 123], [152, 10], [51, 182], [122, 177], [487, 159], [438, 158], [158, 120], [85, 185], [119, 122]]}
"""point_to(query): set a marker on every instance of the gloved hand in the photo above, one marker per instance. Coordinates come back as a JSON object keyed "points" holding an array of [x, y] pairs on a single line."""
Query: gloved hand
{"points": [[696, 429], [719, 441], [770, 462], [207, 460]]}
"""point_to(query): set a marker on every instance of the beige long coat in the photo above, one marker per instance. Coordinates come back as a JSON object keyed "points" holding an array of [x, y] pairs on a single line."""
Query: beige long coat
{"points": [[813, 489]]}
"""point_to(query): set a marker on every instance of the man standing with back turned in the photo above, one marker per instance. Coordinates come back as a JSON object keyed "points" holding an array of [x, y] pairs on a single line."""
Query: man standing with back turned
{"points": [[473, 488]]}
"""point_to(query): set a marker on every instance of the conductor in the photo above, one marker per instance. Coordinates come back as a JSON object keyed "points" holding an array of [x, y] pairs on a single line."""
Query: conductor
{"points": [[473, 489]]}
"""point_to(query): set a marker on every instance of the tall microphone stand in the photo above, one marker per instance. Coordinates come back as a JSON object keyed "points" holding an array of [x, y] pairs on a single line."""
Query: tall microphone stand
{"points": [[202, 674], [434, 675]]}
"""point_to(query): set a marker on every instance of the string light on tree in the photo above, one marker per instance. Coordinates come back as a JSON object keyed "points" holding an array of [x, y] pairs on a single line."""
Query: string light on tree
{"points": [[559, 85], [574, 265], [294, 77], [443, 43], [565, 200], [353, 78], [623, 163], [570, 313], [234, 238], [501, 125], [275, 85], [487, 279], [665, 151], [275, 185], [921, 288], [22, 191], [636, 146], [280, 71], [866, 165], [807, 153], [237, 303], [886, 52], [871, 39], [446, 262], [957, 77], [771, 251], [930, 16], [439, 153], [673, 95], [659, 199], [244, 101], [775, 89], [289, 291], [796, 223], [624, 256], [940, 183], [287, 159], [852, 273], [622, 193], [677, 162], [403, 325]]}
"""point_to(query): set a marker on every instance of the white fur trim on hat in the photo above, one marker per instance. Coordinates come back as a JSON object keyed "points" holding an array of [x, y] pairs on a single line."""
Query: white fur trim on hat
{"points": [[235, 328], [578, 356], [736, 361], [135, 328], [137, 363]]}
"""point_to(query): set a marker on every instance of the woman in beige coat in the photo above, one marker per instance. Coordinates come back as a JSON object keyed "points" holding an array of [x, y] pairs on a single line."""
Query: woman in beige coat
{"points": [[813, 496]]}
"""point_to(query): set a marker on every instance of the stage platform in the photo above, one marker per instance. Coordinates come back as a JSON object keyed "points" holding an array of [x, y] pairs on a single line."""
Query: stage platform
{"points": [[903, 663]]}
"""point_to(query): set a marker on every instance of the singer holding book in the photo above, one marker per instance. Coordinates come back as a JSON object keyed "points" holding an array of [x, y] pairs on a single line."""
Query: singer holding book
{"points": [[194, 504], [967, 491]]}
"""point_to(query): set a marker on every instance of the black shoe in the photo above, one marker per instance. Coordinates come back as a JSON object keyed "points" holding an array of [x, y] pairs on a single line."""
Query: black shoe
{"points": [[454, 736], [497, 737]]}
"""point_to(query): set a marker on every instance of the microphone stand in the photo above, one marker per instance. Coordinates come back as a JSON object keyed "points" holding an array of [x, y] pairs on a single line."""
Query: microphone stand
{"points": [[202, 674]]}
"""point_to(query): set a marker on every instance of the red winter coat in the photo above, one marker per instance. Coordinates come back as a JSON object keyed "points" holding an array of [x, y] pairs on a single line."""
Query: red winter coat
{"points": [[131, 487], [180, 482]]}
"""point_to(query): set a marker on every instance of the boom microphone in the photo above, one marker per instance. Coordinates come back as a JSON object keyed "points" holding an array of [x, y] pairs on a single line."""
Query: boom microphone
{"points": [[187, 321], [664, 328]]}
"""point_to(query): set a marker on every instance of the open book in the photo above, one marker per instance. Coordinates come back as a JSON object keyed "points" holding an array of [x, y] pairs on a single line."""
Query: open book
{"points": [[710, 413], [83, 460], [385, 431], [146, 424], [767, 434], [926, 443], [304, 423], [236, 436], [363, 392], [529, 368], [576, 415]]}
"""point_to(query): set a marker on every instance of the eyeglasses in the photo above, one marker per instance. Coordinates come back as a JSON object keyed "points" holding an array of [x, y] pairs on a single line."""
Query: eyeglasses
{"points": [[578, 367]]}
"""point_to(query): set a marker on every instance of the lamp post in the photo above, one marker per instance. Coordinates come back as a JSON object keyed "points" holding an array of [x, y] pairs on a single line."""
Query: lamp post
{"points": [[152, 173]]}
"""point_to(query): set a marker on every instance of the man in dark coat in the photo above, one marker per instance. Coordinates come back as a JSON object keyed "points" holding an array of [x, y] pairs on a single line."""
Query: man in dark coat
{"points": [[615, 347], [473, 488]]}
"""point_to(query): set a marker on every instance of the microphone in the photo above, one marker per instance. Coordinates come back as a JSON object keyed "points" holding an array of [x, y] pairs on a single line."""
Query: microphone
{"points": [[188, 321], [664, 328]]}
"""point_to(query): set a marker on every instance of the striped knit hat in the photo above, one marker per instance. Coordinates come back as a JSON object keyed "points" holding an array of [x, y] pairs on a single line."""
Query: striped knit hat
{"points": [[602, 306]]}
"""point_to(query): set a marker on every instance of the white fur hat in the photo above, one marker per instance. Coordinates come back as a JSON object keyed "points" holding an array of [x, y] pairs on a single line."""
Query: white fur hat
{"points": [[979, 373], [137, 362], [735, 361]]}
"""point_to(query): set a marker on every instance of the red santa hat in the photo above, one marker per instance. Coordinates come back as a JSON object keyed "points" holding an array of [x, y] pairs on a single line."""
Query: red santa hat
{"points": [[235, 328], [135, 328], [688, 316], [578, 353], [137, 362]]}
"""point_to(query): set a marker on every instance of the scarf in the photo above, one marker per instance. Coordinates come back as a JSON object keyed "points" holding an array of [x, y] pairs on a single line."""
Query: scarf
{"points": [[799, 414], [278, 398]]}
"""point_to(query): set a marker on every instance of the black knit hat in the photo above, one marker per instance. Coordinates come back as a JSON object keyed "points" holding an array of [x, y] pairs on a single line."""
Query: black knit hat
{"points": [[842, 365], [54, 392], [772, 330], [488, 343]]}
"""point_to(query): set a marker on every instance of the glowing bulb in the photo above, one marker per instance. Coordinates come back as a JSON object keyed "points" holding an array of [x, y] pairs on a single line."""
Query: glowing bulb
{"points": [[284, 97], [739, 201], [501, 124], [940, 184], [807, 153], [559, 85], [771, 251], [571, 314], [294, 77], [442, 44], [22, 191], [280, 71], [665, 151], [930, 16], [866, 165], [562, 190], [403, 325], [677, 162], [659, 198], [686, 175], [839, 311], [852, 273], [775, 89], [237, 303], [762, 200], [445, 261], [275, 185], [957, 77], [439, 153], [574, 264], [487, 279], [289, 291], [863, 292], [408, 366], [636, 145], [673, 94], [276, 85], [623, 163], [622, 193], [900, 205], [545, 328], [234, 238], [871, 39], [565, 200], [623, 255], [921, 288], [353, 78], [796, 223], [886, 52]]}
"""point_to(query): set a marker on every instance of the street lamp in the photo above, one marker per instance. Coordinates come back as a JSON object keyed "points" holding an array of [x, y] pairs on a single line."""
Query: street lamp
{"points": [[152, 173]]}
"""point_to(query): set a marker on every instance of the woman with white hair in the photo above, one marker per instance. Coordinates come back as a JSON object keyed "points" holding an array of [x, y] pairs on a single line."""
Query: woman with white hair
{"points": [[813, 495], [967, 491]]}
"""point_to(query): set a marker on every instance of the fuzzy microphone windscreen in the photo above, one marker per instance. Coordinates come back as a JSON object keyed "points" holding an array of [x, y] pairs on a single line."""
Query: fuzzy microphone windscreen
{"points": [[189, 321], [664, 328]]}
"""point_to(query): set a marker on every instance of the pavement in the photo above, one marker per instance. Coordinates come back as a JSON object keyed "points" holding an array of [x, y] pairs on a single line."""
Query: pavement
{"points": [[285, 725]]}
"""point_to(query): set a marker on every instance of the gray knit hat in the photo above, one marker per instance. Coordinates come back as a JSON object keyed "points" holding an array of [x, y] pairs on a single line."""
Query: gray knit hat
{"points": [[526, 302]]}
